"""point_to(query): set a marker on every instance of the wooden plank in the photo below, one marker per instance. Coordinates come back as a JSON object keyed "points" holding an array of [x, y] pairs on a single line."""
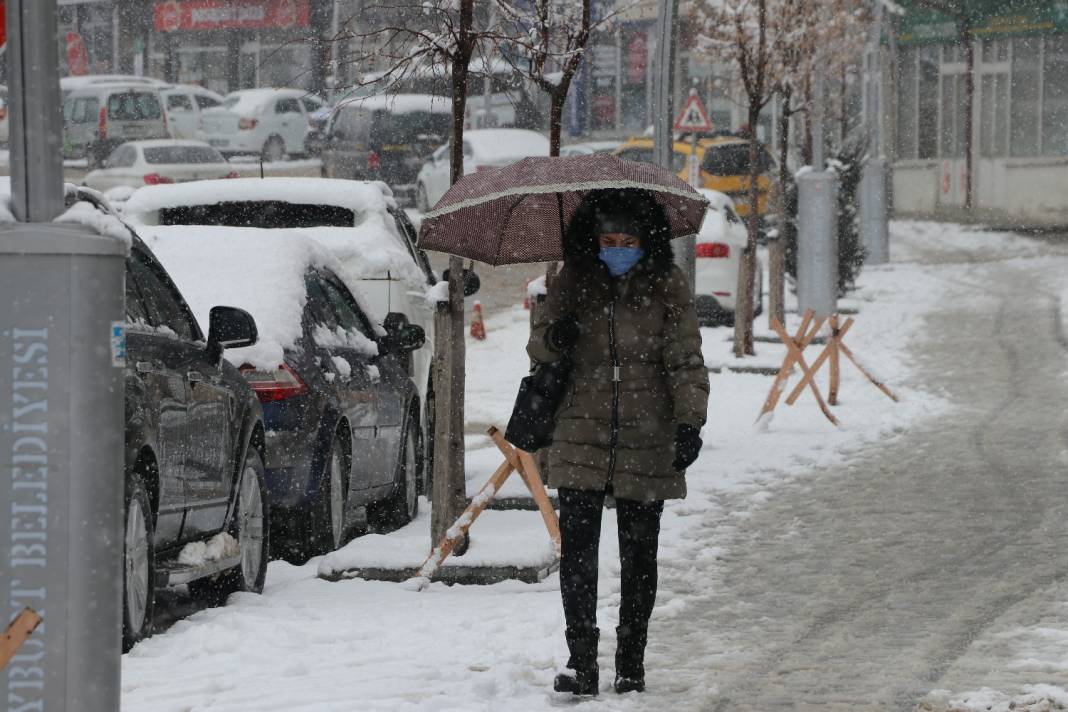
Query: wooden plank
{"points": [[876, 382], [523, 461], [785, 369], [818, 363], [832, 388], [457, 533], [17, 633], [800, 359]]}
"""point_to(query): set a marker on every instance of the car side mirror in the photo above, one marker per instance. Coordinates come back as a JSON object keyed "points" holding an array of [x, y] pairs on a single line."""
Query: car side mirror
{"points": [[472, 283], [229, 328], [401, 337]]}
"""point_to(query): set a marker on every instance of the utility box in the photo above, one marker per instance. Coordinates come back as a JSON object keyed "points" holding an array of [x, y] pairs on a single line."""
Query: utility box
{"points": [[817, 243], [62, 354]]}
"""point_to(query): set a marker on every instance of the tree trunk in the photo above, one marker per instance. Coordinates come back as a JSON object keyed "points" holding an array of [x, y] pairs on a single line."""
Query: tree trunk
{"points": [[806, 147], [450, 485], [777, 248], [969, 100], [743, 298], [556, 115]]}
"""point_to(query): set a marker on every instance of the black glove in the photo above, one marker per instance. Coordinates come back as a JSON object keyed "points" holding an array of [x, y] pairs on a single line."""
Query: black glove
{"points": [[563, 333], [687, 446]]}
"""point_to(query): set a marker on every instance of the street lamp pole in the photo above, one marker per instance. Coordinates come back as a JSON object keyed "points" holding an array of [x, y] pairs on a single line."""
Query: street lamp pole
{"points": [[874, 175]]}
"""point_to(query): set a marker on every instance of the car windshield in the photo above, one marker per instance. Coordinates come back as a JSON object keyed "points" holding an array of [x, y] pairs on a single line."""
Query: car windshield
{"points": [[271, 214], [409, 127], [182, 154], [733, 160], [133, 106]]}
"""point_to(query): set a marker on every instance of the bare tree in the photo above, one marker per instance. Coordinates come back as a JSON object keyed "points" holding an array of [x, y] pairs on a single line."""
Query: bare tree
{"points": [[440, 37], [744, 33]]}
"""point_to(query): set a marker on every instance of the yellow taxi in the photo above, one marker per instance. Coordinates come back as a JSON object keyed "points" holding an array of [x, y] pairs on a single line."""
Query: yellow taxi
{"points": [[724, 163]]}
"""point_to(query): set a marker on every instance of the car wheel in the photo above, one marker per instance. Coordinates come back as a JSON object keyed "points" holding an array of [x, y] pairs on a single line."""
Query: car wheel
{"points": [[326, 529], [403, 503], [422, 202], [138, 591], [274, 150], [249, 529]]}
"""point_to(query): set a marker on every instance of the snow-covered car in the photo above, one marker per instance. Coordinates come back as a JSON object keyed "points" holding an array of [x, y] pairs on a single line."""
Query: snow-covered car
{"points": [[719, 248], [340, 410], [270, 122], [358, 221], [69, 84], [139, 163], [484, 149], [184, 104], [194, 508], [588, 148]]}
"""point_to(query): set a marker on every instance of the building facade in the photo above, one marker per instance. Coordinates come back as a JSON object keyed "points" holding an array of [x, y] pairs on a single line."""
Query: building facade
{"points": [[1020, 113]]}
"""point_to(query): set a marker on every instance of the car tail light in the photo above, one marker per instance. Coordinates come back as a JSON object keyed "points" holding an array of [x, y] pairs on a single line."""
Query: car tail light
{"points": [[276, 385], [247, 124], [374, 161], [233, 174], [157, 179], [715, 250], [102, 127]]}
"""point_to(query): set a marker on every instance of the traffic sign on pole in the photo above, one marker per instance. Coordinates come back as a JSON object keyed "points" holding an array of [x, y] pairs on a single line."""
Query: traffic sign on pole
{"points": [[693, 116]]}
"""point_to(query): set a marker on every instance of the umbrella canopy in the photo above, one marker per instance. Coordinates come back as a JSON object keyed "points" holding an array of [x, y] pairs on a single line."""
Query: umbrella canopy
{"points": [[518, 213]]}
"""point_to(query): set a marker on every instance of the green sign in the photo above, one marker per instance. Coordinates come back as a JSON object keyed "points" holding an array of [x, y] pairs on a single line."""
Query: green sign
{"points": [[989, 18]]}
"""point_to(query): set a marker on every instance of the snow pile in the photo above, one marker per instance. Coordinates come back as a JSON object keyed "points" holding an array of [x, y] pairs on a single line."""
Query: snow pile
{"points": [[371, 250], [260, 271], [219, 547], [88, 215], [438, 294], [358, 196], [1034, 698]]}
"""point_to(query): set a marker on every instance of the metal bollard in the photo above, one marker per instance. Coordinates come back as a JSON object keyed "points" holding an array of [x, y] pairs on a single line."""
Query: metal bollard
{"points": [[817, 243], [62, 353], [873, 211]]}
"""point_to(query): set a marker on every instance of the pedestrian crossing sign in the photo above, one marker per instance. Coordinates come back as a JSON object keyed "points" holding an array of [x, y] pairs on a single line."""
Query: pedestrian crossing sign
{"points": [[693, 116]]}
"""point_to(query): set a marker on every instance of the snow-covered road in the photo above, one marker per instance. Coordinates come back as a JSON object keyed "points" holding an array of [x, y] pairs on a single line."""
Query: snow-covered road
{"points": [[918, 548]]}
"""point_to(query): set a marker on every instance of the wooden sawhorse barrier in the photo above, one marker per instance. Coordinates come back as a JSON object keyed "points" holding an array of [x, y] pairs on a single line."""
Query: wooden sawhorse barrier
{"points": [[17, 633], [514, 460]]}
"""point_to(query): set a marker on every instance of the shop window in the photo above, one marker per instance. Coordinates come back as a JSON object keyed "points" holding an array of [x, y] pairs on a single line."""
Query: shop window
{"points": [[1055, 96], [906, 104], [927, 100], [1025, 94], [993, 114]]}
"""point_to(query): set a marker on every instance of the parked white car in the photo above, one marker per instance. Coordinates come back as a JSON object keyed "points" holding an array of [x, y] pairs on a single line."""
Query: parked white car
{"points": [[719, 250], [184, 104], [358, 221], [139, 163], [268, 122], [484, 149]]}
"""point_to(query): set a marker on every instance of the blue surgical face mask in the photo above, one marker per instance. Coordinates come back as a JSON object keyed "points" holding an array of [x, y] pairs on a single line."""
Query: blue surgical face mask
{"points": [[619, 260]]}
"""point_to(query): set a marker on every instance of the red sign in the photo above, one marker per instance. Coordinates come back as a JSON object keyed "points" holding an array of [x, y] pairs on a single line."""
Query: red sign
{"points": [[77, 55], [3, 23], [174, 15], [637, 58]]}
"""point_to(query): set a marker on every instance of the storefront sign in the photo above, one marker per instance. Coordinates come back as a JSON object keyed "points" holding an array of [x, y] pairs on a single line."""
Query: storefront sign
{"points": [[988, 18], [77, 55], [175, 15]]}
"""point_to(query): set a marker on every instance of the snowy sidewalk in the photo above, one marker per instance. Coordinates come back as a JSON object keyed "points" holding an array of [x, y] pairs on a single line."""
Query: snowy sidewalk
{"points": [[308, 644]]}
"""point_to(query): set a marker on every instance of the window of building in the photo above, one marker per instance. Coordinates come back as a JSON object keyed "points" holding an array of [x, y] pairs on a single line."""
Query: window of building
{"points": [[1055, 96], [1026, 94], [906, 103], [927, 93]]}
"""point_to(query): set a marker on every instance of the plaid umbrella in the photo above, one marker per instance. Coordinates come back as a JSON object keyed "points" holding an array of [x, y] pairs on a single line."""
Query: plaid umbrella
{"points": [[517, 214]]}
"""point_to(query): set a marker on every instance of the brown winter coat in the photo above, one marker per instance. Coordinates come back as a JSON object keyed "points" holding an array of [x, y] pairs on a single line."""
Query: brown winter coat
{"points": [[649, 316]]}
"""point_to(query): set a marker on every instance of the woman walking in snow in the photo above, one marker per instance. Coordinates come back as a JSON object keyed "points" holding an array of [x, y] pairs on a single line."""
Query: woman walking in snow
{"points": [[629, 423]]}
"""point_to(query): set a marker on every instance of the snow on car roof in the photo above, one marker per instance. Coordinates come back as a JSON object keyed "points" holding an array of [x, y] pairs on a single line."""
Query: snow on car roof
{"points": [[370, 250], [255, 269], [358, 196], [400, 103], [256, 99], [507, 142]]}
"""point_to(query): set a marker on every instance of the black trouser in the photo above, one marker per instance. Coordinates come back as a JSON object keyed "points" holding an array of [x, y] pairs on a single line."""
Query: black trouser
{"points": [[580, 534]]}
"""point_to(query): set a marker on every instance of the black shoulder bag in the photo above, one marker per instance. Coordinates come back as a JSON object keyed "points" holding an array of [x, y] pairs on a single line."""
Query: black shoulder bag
{"points": [[531, 426]]}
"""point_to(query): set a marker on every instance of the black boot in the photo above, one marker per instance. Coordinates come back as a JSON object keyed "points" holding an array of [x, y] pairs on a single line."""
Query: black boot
{"points": [[585, 678], [630, 659]]}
